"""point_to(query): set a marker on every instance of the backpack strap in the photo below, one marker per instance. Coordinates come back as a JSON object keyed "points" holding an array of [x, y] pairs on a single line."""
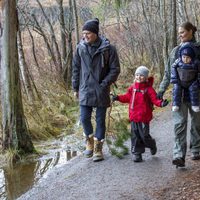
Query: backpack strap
{"points": [[142, 91], [134, 93]]}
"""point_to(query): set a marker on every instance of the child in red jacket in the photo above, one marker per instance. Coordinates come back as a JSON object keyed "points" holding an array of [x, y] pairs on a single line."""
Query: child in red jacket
{"points": [[141, 97]]}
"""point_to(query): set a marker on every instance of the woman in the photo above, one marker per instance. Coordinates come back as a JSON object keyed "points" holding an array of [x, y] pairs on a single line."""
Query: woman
{"points": [[186, 33]]}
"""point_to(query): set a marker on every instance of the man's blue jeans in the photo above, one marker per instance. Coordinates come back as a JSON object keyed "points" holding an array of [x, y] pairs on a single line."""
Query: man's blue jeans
{"points": [[86, 115]]}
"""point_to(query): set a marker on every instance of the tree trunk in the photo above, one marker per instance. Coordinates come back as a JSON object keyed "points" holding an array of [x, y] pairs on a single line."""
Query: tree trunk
{"points": [[67, 72], [165, 34], [194, 7], [149, 32], [174, 31], [1, 31], [15, 133], [75, 21], [63, 34], [24, 70], [182, 11]]}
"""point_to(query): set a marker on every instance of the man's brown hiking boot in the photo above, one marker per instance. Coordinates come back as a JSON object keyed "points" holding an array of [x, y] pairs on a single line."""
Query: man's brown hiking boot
{"points": [[89, 146], [98, 154]]}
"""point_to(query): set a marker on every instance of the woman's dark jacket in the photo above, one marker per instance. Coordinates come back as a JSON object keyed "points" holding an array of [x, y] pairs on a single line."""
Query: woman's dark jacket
{"points": [[93, 73]]}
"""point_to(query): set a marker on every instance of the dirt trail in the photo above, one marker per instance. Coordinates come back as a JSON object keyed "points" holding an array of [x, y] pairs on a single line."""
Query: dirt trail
{"points": [[115, 179]]}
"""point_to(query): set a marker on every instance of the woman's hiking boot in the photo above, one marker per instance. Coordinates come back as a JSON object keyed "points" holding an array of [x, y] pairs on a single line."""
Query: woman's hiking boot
{"points": [[89, 146], [179, 162], [137, 157], [195, 156], [98, 154]]}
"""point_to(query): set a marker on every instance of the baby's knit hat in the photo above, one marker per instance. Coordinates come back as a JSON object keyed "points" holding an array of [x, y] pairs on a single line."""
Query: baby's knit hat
{"points": [[187, 49], [188, 52], [142, 70], [92, 25]]}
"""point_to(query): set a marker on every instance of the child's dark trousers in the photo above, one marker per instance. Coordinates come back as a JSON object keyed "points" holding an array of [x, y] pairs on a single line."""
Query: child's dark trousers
{"points": [[140, 138]]}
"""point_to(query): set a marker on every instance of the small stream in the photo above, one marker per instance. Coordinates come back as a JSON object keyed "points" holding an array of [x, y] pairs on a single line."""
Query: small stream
{"points": [[17, 179]]}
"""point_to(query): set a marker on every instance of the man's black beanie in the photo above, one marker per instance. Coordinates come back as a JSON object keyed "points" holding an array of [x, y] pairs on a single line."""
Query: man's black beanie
{"points": [[92, 26]]}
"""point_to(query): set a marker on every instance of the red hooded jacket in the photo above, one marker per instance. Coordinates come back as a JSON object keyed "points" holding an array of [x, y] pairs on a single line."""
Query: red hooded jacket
{"points": [[141, 97]]}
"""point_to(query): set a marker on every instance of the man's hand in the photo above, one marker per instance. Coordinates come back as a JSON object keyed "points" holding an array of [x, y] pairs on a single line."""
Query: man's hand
{"points": [[114, 97]]}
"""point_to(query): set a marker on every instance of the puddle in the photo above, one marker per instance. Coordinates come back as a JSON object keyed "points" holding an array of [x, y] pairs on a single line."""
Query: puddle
{"points": [[18, 179]]}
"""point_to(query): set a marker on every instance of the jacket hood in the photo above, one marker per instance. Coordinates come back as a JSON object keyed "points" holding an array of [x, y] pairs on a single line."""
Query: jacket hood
{"points": [[146, 84], [105, 43], [150, 81]]}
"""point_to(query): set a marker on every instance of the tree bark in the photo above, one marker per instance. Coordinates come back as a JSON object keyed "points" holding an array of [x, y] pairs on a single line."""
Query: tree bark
{"points": [[149, 32], [62, 34], [15, 133], [165, 34], [75, 21], [194, 7], [25, 75], [67, 72], [174, 31], [182, 11]]}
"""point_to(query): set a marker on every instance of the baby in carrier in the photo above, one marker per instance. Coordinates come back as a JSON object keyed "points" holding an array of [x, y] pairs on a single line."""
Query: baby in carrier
{"points": [[185, 76]]}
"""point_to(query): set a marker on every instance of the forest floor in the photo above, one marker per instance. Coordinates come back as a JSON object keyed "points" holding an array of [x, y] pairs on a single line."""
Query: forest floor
{"points": [[122, 179]]}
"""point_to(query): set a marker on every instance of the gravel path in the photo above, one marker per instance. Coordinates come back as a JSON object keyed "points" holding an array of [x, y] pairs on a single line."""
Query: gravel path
{"points": [[113, 178]]}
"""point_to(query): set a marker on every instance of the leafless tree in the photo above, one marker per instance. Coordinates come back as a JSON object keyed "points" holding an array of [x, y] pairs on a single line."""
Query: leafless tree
{"points": [[25, 74], [15, 133], [174, 23], [75, 14]]}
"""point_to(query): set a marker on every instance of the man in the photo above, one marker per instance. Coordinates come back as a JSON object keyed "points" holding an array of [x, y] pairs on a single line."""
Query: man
{"points": [[95, 67]]}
